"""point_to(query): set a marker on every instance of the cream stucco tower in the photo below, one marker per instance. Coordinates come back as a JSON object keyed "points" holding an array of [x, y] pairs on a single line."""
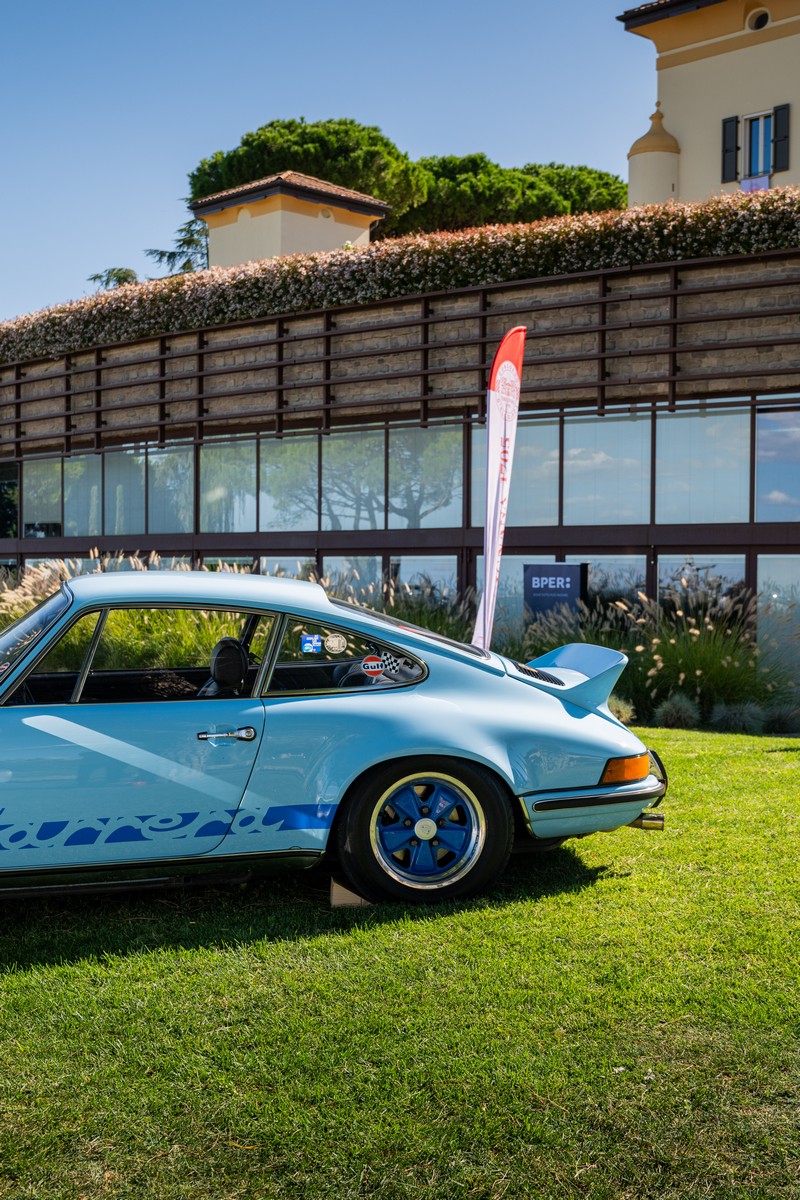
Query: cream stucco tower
{"points": [[728, 117], [653, 164]]}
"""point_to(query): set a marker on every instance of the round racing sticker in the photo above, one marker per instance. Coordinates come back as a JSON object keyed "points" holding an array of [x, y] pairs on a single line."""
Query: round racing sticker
{"points": [[372, 665], [336, 643]]}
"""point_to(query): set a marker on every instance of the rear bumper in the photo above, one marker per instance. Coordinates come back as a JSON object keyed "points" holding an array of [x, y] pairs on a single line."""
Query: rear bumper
{"points": [[579, 811]]}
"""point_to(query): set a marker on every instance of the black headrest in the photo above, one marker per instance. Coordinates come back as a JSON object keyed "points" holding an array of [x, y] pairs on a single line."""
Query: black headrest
{"points": [[229, 664]]}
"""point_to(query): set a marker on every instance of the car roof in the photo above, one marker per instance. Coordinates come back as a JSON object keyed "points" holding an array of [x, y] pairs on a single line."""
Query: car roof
{"points": [[200, 587]]}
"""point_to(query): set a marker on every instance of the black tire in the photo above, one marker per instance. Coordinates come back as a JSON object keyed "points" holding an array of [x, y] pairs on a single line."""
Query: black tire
{"points": [[425, 831]]}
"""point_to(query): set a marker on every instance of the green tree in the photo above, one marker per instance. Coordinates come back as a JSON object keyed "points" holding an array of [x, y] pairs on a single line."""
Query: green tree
{"points": [[584, 188], [338, 150], [113, 277], [473, 190], [189, 251]]}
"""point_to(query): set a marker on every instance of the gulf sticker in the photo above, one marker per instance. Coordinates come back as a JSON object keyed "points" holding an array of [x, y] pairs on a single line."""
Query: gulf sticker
{"points": [[372, 665]]}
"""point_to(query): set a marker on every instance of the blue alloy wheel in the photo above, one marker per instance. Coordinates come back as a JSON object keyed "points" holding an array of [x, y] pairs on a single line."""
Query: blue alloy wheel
{"points": [[440, 830], [427, 829]]}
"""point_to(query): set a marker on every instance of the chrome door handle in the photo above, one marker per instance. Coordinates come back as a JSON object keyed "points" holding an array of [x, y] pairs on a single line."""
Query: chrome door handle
{"points": [[246, 734]]}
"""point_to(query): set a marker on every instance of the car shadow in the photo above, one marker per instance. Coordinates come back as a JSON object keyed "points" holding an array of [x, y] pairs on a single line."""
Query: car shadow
{"points": [[71, 929]]}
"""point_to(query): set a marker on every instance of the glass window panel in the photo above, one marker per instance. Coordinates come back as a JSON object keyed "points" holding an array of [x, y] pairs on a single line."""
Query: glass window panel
{"points": [[170, 496], [294, 566], [353, 481], [228, 487], [702, 467], [289, 483], [9, 500], [124, 492], [425, 477], [169, 562], [509, 613], [533, 495], [778, 581], [241, 563], [759, 133], [606, 470], [700, 578], [613, 576], [356, 578], [41, 498], [82, 496], [778, 466], [423, 573]]}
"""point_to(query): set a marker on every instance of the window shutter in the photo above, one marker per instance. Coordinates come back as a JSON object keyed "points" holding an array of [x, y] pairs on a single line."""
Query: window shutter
{"points": [[780, 144], [730, 149]]}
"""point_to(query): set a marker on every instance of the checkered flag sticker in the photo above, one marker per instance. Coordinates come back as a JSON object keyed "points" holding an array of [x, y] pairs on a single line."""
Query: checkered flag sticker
{"points": [[398, 668]]}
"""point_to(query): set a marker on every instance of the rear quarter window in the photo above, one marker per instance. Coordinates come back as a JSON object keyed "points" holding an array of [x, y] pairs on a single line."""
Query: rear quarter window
{"points": [[314, 657]]}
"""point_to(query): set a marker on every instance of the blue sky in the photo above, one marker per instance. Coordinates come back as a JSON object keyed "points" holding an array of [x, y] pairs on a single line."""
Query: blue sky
{"points": [[107, 107]]}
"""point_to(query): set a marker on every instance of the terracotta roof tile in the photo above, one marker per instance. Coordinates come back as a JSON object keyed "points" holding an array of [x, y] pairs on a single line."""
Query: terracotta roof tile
{"points": [[292, 182]]}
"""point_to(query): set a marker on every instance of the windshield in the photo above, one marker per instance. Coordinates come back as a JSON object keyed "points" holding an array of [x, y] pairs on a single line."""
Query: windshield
{"points": [[396, 623], [16, 639]]}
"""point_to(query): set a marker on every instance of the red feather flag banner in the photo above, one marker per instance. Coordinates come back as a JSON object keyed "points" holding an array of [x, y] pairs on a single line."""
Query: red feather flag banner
{"points": [[502, 406]]}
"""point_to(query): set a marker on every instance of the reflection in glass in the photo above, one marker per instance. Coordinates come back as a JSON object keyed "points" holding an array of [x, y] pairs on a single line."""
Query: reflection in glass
{"points": [[233, 563], [228, 487], [433, 574], [778, 466], [289, 483], [9, 500], [293, 566], [41, 498], [613, 576], [606, 470], [170, 490], [701, 579], [82, 493], [702, 467], [778, 582], [124, 492], [353, 481], [533, 495], [354, 577], [509, 613], [425, 477]]}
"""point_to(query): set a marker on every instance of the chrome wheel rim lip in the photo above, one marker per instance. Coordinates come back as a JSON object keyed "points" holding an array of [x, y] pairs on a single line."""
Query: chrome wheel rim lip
{"points": [[464, 828]]}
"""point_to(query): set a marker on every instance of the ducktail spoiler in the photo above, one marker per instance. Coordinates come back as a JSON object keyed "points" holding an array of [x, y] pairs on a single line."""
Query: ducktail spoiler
{"points": [[587, 673]]}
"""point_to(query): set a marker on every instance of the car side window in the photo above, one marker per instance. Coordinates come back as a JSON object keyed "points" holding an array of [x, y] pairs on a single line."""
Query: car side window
{"points": [[151, 654], [172, 654], [54, 677], [321, 658]]}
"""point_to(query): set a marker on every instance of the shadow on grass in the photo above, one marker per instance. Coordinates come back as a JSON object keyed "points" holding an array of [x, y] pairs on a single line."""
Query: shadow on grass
{"points": [[275, 908]]}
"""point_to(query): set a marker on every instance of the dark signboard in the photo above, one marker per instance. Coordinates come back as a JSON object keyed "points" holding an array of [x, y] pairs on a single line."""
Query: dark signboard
{"points": [[552, 585]]}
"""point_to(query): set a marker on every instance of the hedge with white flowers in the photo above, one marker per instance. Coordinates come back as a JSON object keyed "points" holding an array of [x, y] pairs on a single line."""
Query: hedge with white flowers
{"points": [[726, 225]]}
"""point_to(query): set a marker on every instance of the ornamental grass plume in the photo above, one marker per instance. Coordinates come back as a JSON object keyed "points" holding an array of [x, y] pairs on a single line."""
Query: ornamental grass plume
{"points": [[739, 223], [706, 650]]}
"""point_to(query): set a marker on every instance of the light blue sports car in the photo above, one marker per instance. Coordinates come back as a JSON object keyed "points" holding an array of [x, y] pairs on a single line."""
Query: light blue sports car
{"points": [[156, 725]]}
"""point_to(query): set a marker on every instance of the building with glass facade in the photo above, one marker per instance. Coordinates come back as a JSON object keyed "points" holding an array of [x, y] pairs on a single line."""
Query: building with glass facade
{"points": [[659, 434]]}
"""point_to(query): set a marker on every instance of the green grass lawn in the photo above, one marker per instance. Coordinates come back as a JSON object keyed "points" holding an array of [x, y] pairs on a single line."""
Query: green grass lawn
{"points": [[619, 1018]]}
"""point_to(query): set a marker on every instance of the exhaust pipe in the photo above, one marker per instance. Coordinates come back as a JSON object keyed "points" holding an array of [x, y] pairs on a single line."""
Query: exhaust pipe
{"points": [[648, 820]]}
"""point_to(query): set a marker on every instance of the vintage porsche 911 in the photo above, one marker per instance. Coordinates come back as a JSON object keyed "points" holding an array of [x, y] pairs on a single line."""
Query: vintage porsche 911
{"points": [[154, 725]]}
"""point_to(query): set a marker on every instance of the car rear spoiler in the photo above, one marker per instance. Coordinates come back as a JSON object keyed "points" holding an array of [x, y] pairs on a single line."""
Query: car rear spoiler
{"points": [[588, 673]]}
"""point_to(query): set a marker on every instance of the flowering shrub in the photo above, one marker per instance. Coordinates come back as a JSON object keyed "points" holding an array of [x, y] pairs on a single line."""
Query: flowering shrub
{"points": [[725, 225]]}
